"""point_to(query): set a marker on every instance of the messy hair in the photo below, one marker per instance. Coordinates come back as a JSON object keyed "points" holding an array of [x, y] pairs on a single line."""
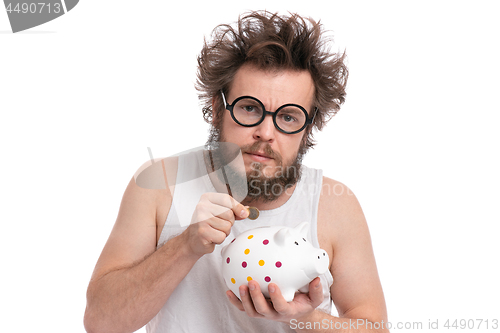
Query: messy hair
{"points": [[272, 42]]}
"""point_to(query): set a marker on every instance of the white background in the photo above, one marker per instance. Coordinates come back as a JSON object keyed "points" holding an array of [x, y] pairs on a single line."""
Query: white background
{"points": [[83, 96]]}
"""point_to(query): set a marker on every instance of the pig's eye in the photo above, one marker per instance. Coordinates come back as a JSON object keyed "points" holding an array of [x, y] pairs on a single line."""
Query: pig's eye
{"points": [[296, 243]]}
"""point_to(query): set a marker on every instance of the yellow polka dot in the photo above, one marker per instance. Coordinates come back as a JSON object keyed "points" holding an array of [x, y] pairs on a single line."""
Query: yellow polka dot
{"points": [[247, 251], [250, 237], [261, 262], [233, 280], [249, 278]]}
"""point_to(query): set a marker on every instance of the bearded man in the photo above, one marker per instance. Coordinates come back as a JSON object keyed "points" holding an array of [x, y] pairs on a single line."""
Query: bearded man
{"points": [[266, 84]]}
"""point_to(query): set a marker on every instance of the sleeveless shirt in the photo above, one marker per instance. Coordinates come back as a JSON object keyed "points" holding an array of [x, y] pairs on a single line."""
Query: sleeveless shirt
{"points": [[199, 303]]}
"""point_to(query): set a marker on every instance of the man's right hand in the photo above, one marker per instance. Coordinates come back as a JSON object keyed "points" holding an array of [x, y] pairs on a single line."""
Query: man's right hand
{"points": [[211, 223]]}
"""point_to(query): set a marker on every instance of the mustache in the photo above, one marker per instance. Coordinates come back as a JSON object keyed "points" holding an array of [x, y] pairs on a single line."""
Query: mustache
{"points": [[256, 147]]}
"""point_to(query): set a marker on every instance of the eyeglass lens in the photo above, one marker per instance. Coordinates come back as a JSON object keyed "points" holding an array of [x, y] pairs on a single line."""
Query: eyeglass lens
{"points": [[249, 112]]}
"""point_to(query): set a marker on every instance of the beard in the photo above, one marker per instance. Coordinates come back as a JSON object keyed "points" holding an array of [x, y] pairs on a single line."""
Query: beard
{"points": [[261, 186]]}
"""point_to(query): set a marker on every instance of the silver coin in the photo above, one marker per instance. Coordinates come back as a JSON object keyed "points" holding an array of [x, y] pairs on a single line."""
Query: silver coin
{"points": [[253, 213]]}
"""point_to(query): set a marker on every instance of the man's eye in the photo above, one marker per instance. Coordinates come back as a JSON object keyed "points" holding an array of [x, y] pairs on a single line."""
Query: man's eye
{"points": [[287, 118], [249, 108]]}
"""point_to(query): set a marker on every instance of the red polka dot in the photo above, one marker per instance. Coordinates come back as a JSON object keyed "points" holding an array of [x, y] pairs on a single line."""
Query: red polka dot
{"points": [[227, 260], [265, 242], [267, 279], [233, 240], [278, 264], [244, 264]]}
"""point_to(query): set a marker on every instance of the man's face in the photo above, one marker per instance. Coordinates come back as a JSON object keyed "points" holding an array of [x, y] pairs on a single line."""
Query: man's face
{"points": [[268, 153]]}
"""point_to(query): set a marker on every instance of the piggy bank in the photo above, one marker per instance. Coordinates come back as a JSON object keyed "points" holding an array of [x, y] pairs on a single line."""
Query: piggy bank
{"points": [[275, 254]]}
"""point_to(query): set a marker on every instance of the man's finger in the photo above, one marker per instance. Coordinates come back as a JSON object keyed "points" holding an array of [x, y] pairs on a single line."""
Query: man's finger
{"points": [[221, 199], [316, 292], [246, 301], [234, 300], [260, 303], [221, 225], [223, 213], [279, 303]]}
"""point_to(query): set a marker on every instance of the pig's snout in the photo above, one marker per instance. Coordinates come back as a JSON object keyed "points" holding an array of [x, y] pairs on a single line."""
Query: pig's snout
{"points": [[318, 265]]}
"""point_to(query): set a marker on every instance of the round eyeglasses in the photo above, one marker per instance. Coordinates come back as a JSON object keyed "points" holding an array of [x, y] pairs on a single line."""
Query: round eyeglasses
{"points": [[248, 111]]}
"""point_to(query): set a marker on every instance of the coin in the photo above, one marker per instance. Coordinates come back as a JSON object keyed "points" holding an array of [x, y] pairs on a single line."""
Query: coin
{"points": [[253, 213]]}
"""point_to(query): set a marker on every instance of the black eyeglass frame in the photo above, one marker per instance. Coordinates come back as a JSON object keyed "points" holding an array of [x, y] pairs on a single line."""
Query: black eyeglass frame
{"points": [[230, 108]]}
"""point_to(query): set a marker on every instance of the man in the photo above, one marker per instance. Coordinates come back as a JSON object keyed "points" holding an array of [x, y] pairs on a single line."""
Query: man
{"points": [[265, 85]]}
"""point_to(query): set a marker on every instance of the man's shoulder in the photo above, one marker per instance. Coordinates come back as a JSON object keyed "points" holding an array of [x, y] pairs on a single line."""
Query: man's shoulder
{"points": [[155, 180], [332, 189], [337, 201], [157, 174], [339, 212]]}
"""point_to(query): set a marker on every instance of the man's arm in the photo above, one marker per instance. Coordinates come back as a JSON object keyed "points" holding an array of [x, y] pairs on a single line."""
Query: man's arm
{"points": [[126, 298], [356, 290], [132, 280], [320, 322]]}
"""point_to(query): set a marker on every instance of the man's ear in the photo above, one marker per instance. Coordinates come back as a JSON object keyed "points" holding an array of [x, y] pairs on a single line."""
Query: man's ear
{"points": [[217, 104], [214, 114]]}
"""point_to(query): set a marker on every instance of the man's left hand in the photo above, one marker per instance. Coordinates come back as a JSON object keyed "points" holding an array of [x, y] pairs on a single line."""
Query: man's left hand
{"points": [[256, 305]]}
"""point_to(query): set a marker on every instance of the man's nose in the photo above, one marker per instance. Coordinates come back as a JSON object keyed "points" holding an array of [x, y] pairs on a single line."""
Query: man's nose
{"points": [[266, 130]]}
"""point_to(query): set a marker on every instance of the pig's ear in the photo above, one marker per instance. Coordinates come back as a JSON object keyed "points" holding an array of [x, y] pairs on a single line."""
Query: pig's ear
{"points": [[282, 237], [303, 229]]}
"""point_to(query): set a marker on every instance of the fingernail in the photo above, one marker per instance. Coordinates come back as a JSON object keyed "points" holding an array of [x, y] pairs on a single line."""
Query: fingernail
{"points": [[243, 292], [244, 213], [271, 289], [251, 287]]}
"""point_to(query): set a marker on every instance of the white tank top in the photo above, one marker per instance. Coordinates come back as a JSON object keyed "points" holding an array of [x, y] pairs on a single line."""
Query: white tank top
{"points": [[199, 303]]}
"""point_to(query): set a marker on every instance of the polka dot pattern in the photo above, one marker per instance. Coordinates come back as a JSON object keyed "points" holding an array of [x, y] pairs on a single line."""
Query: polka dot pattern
{"points": [[256, 265]]}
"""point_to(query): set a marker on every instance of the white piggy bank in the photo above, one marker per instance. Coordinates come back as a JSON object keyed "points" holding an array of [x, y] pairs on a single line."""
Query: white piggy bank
{"points": [[277, 254]]}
